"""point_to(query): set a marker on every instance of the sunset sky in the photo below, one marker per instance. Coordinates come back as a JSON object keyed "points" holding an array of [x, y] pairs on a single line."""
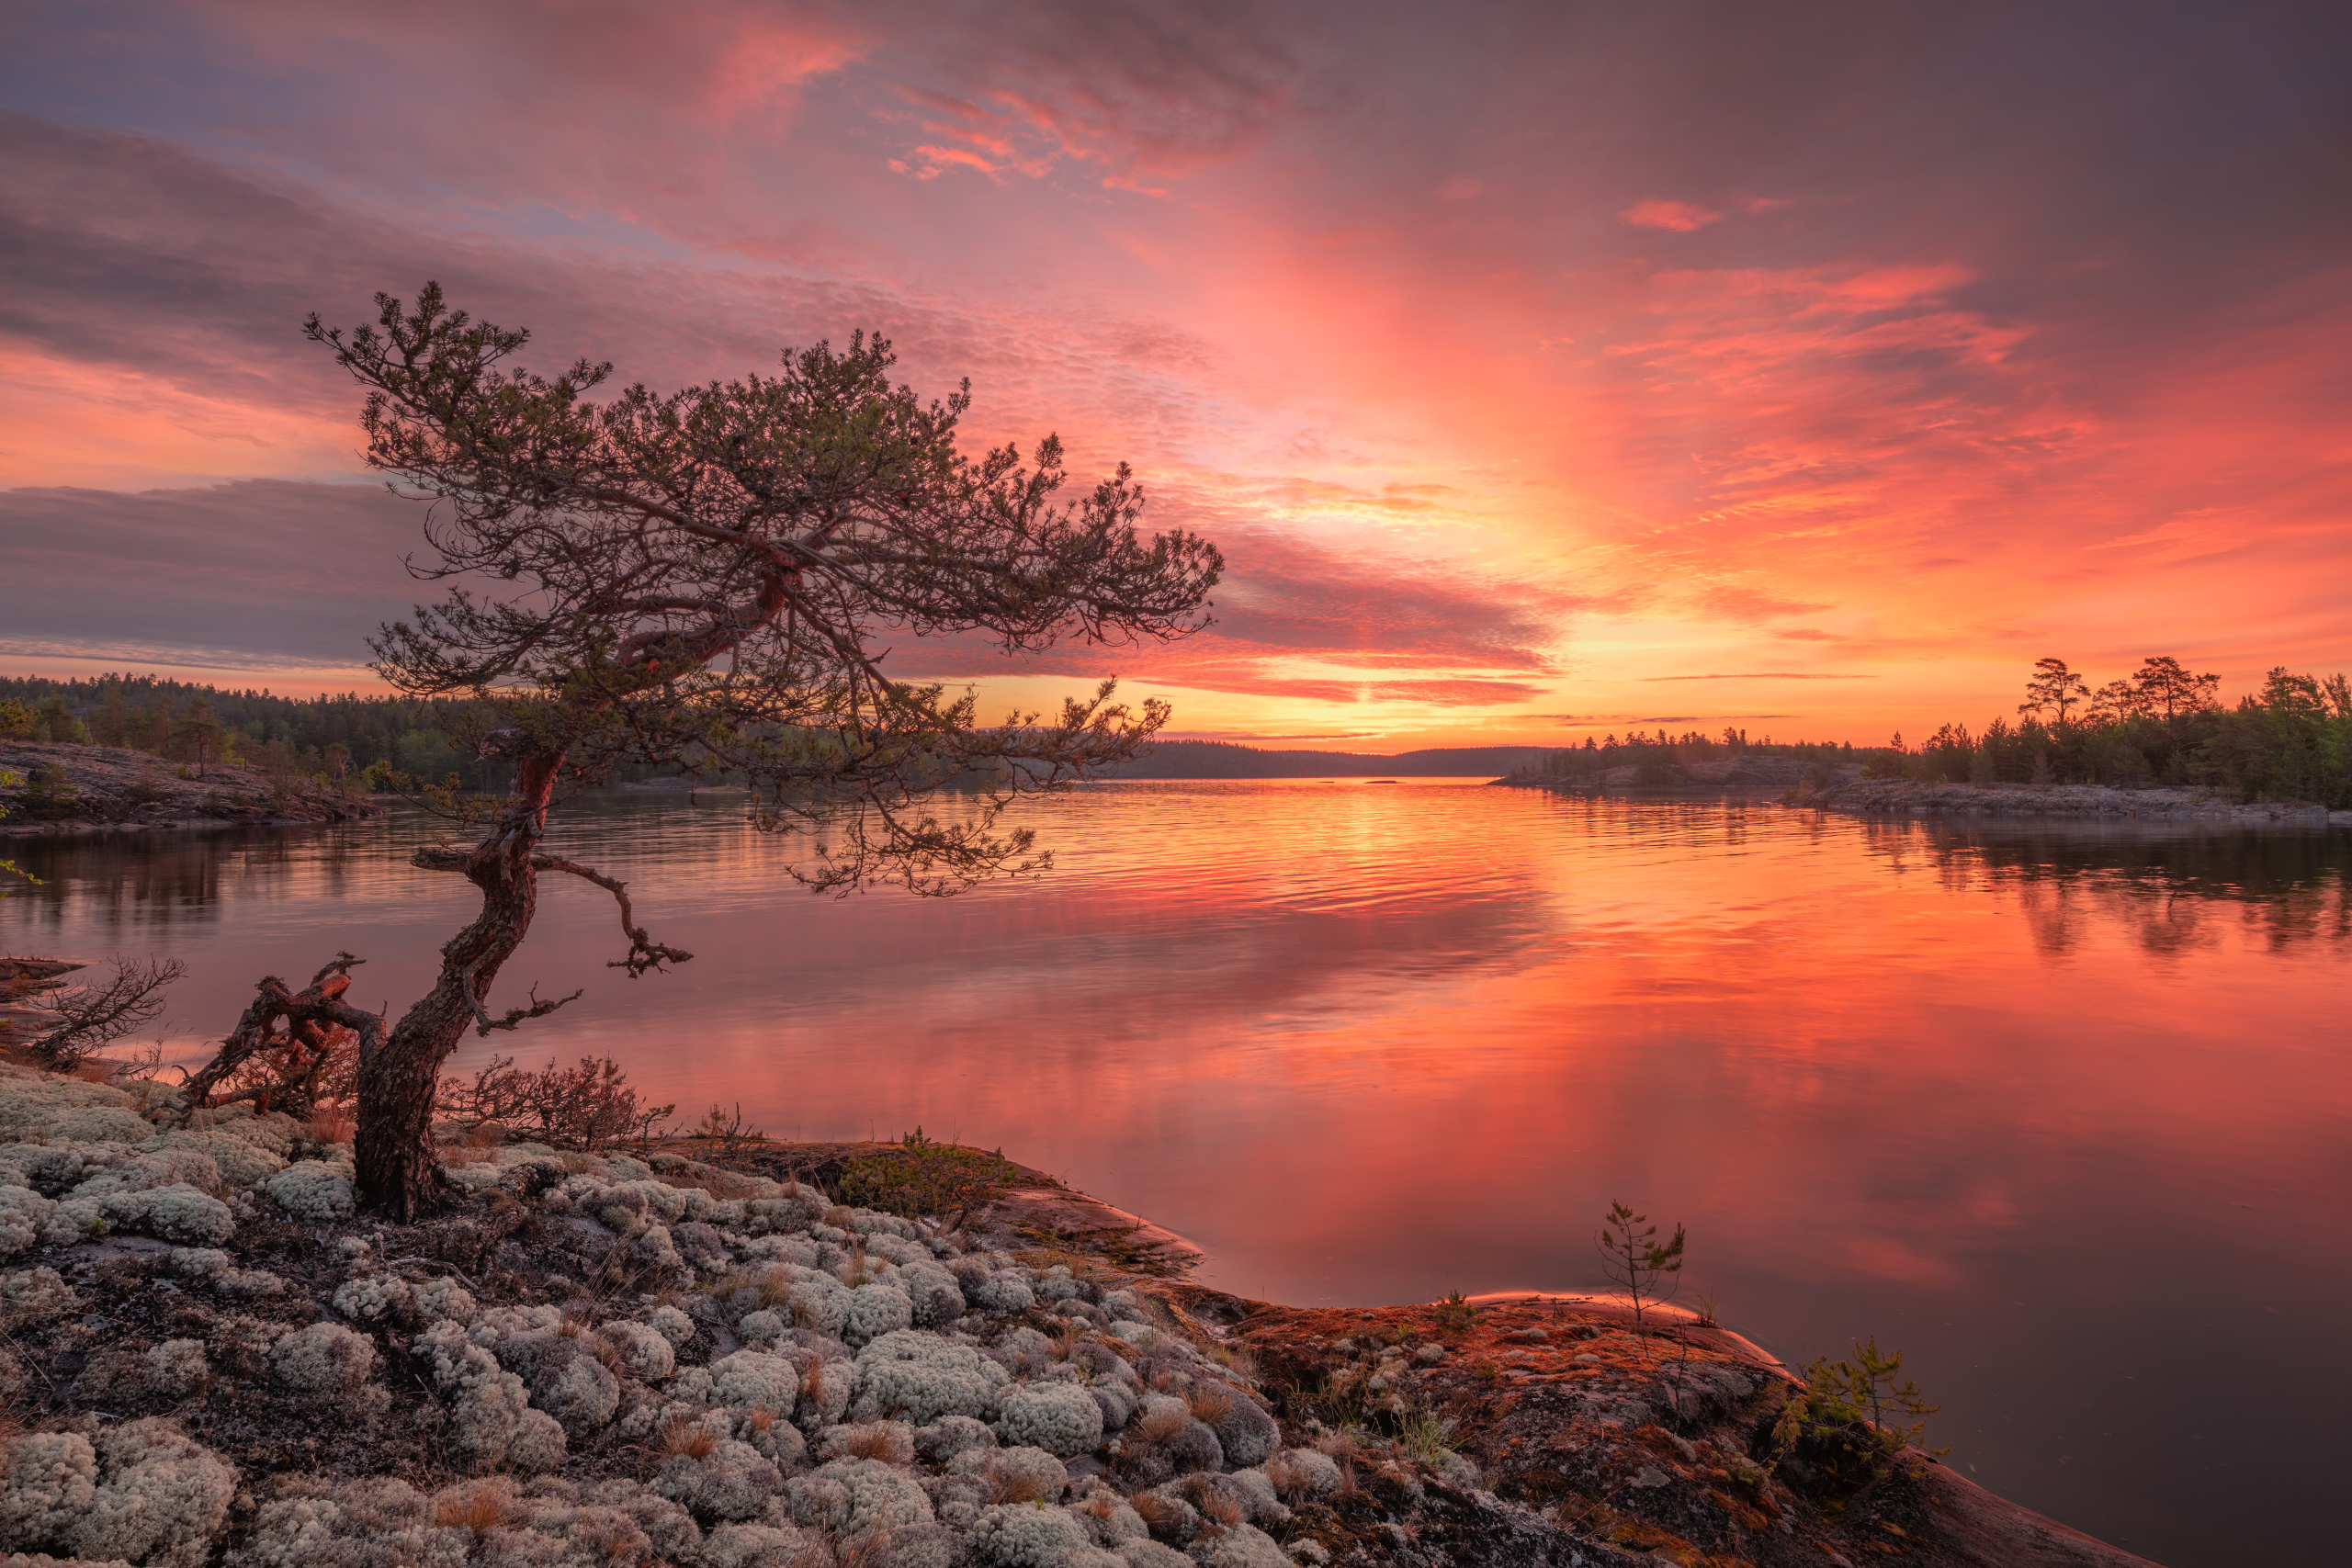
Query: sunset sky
{"points": [[1542, 370]]}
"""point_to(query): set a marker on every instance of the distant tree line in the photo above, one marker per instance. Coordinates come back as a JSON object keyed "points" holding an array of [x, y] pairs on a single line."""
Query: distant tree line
{"points": [[2160, 725], [347, 741], [1656, 758]]}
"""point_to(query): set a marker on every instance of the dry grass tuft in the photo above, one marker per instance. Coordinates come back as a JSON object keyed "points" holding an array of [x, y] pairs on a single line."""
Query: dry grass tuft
{"points": [[1210, 1402], [329, 1122], [1066, 1341], [1007, 1484], [877, 1439], [691, 1439], [854, 1269], [774, 1287], [1219, 1509], [1162, 1425], [1343, 1446], [1158, 1514], [1290, 1479], [482, 1507], [572, 1325], [868, 1551], [812, 1384]]}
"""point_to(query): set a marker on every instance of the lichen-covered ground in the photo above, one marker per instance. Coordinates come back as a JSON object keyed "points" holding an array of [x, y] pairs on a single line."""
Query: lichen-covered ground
{"points": [[608, 1361]]}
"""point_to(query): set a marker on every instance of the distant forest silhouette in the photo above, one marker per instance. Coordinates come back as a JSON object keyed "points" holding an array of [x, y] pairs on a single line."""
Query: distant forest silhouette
{"points": [[2161, 725]]}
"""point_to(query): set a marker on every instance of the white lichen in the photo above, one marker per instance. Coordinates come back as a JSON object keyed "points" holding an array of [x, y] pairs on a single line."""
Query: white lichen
{"points": [[142, 1493], [325, 1361], [643, 1351], [1027, 1535], [374, 1298], [23, 1212], [730, 1484], [444, 1301], [920, 1378], [1000, 1294], [756, 1378], [1301, 1475], [1061, 1418], [314, 1191], [31, 1294], [672, 1325]]}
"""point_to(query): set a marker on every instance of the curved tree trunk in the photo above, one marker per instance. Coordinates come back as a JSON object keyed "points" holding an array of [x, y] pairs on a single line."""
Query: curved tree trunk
{"points": [[397, 1174]]}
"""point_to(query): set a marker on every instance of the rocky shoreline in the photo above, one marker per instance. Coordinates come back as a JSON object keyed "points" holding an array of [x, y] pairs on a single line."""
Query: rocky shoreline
{"points": [[1896, 797], [618, 1359], [117, 790]]}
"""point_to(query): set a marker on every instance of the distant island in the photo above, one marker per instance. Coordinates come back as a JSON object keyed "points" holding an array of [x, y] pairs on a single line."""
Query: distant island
{"points": [[1225, 759]]}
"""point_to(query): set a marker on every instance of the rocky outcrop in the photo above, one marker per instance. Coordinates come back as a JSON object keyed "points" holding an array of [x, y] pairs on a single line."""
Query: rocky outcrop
{"points": [[1898, 798], [552, 1372], [111, 787]]}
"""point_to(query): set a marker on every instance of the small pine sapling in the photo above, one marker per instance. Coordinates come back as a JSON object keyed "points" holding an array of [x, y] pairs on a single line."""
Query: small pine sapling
{"points": [[1647, 1270], [1856, 1408], [1455, 1313]]}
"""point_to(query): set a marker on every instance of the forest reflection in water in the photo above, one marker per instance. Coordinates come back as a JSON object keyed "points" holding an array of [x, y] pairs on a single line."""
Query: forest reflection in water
{"points": [[2032, 1100], [2170, 887]]}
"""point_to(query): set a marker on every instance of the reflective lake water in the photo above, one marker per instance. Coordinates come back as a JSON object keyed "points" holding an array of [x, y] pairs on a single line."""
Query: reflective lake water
{"points": [[2059, 1110]]}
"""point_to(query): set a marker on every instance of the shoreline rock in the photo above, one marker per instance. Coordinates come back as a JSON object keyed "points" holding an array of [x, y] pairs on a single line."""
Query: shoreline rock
{"points": [[118, 790], [615, 1359], [1897, 798]]}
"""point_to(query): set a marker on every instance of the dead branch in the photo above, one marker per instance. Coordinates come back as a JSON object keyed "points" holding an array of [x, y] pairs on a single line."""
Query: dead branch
{"points": [[644, 954], [301, 1025], [89, 1019]]}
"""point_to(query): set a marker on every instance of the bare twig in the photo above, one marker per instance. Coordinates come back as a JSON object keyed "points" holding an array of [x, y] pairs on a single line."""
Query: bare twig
{"points": [[89, 1019]]}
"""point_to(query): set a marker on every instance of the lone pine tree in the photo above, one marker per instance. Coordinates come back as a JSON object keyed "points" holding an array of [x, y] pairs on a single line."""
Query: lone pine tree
{"points": [[702, 578]]}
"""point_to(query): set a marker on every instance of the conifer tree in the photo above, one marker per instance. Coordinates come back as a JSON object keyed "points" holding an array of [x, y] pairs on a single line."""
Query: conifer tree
{"points": [[710, 579]]}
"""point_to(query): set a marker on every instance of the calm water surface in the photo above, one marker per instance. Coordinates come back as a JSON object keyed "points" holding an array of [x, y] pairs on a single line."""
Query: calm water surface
{"points": [[2059, 1111]]}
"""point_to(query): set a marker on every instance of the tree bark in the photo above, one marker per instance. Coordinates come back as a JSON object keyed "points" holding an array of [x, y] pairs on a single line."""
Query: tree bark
{"points": [[397, 1175]]}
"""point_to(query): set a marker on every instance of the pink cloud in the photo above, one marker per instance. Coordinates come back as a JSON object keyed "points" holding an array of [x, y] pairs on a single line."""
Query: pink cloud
{"points": [[1681, 217]]}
